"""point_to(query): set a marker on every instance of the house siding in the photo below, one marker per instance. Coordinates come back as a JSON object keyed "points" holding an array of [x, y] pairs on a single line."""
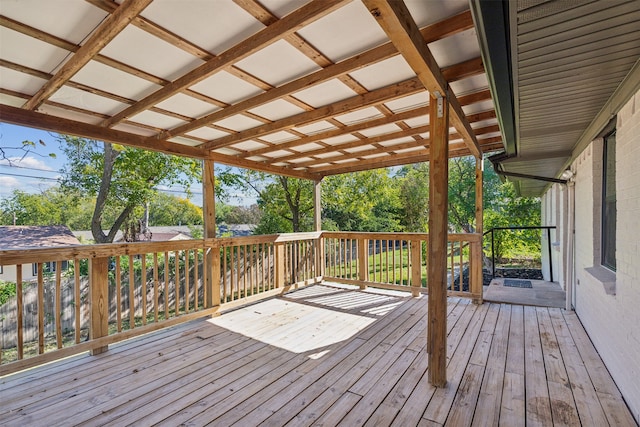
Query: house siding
{"points": [[606, 303]]}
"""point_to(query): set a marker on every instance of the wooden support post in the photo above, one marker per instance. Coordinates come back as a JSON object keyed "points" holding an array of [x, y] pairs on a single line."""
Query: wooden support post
{"points": [[476, 262], [212, 255], [279, 262], [363, 261], [317, 205], [438, 224], [317, 226], [416, 267], [99, 300]]}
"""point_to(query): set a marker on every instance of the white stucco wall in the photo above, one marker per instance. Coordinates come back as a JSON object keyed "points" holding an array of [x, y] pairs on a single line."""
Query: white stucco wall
{"points": [[607, 303]]}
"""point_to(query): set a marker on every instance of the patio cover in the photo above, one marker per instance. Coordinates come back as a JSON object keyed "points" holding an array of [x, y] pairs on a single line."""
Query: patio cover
{"points": [[300, 88]]}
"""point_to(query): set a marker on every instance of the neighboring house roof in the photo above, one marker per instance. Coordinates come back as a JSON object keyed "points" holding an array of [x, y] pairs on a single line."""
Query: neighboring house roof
{"points": [[19, 237], [176, 232]]}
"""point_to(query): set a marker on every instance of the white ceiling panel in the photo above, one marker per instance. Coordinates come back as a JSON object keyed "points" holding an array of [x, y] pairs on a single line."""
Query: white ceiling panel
{"points": [[87, 100], [214, 26], [432, 11], [337, 140], [418, 121], [140, 49], [277, 110], [307, 147], [316, 127], [384, 73], [68, 114], [126, 127], [249, 145], [207, 133], [185, 141], [226, 151], [470, 84], [112, 80], [420, 99], [397, 141], [278, 63], [455, 49], [352, 23], [380, 130], [363, 114], [187, 106], [279, 137], [30, 52], [238, 122], [226, 88], [19, 82], [158, 120], [11, 100], [70, 20], [282, 7], [325, 93]]}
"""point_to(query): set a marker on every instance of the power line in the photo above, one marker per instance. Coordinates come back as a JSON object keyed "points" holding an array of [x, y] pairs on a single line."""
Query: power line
{"points": [[6, 165], [29, 176]]}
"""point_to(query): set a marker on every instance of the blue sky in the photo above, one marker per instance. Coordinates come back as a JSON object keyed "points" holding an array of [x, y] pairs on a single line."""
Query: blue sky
{"points": [[37, 171]]}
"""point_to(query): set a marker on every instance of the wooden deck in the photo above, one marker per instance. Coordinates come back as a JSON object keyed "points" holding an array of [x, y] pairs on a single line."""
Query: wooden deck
{"points": [[331, 356]]}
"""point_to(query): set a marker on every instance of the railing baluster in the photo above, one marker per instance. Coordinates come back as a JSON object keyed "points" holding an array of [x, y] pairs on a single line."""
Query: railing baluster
{"points": [[155, 286], [118, 276], [165, 288], [132, 301], [40, 308], [143, 287], [58, 304], [187, 281], [20, 308]]}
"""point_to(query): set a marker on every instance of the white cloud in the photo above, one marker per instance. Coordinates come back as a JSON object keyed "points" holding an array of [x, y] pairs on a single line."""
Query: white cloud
{"points": [[27, 162], [9, 182]]}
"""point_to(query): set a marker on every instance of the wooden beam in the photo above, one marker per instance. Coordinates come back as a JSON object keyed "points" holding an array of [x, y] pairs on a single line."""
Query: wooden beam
{"points": [[458, 71], [376, 139], [263, 166], [384, 94], [418, 156], [290, 23], [429, 34], [395, 19], [438, 226], [106, 32], [48, 122]]}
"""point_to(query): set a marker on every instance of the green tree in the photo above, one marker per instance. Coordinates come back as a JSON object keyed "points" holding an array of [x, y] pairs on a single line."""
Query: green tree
{"points": [[122, 179], [361, 201], [50, 207], [165, 209], [414, 197]]}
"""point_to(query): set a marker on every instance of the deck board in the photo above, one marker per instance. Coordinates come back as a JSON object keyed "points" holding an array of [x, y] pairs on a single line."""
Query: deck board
{"points": [[331, 355]]}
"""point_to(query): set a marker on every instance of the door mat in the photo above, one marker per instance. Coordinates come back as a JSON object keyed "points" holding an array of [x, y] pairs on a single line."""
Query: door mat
{"points": [[518, 283]]}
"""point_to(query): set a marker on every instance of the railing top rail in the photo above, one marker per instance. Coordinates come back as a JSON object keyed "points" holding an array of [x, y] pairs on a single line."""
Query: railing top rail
{"points": [[63, 253], [461, 237], [524, 227]]}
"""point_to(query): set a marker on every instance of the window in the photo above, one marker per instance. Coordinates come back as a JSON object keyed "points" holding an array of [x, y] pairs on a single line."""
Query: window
{"points": [[609, 202], [49, 267]]}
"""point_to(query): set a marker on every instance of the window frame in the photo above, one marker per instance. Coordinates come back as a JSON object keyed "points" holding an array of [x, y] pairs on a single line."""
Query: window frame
{"points": [[609, 209]]}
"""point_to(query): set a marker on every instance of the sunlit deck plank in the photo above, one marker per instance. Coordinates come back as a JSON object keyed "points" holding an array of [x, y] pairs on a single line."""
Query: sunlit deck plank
{"points": [[285, 374]]}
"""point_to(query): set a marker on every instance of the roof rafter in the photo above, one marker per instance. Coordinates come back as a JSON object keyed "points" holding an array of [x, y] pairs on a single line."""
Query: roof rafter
{"points": [[292, 22], [376, 139], [395, 19], [106, 32], [428, 34], [454, 72], [457, 149]]}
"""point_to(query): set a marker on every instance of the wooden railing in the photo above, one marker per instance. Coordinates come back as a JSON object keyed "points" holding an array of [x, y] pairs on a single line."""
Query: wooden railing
{"points": [[83, 298], [398, 261]]}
